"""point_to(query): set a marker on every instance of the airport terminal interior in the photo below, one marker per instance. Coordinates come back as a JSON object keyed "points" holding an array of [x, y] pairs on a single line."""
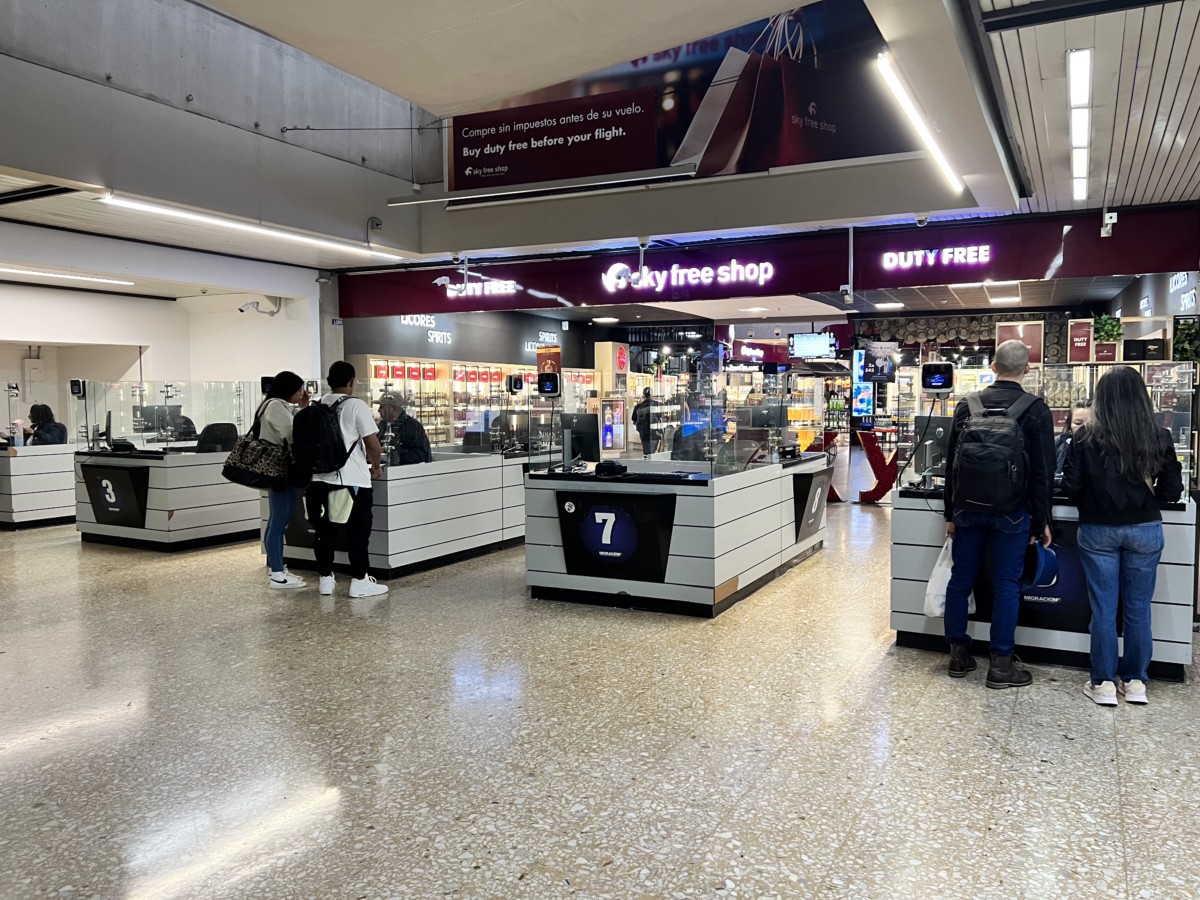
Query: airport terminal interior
{"points": [[559, 449]]}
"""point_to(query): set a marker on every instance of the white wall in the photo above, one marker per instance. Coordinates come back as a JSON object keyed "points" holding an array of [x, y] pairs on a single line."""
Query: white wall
{"points": [[227, 345], [37, 315]]}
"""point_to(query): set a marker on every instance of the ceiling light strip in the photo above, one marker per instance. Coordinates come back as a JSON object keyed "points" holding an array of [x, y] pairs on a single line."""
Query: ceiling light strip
{"points": [[64, 275], [1079, 99], [905, 100], [244, 227]]}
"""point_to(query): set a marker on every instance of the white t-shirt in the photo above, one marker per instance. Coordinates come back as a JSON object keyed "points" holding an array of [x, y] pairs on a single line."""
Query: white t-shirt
{"points": [[357, 423]]}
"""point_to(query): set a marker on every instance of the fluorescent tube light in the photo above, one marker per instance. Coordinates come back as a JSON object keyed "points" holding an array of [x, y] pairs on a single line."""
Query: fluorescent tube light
{"points": [[1080, 126], [1079, 163], [64, 275], [605, 320], [245, 227], [1079, 77], [889, 306], [1080, 186], [900, 92], [997, 301], [754, 309]]}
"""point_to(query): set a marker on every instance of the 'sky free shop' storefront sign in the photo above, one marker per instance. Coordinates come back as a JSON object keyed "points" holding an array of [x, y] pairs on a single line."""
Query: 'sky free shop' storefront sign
{"points": [[619, 276]]}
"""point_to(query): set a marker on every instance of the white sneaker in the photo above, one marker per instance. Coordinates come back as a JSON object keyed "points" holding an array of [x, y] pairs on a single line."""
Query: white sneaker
{"points": [[1102, 694], [366, 587], [1133, 691], [325, 586], [285, 580]]}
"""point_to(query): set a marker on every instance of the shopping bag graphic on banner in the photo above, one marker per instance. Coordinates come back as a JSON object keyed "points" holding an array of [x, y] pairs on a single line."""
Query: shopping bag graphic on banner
{"points": [[788, 103], [717, 134]]}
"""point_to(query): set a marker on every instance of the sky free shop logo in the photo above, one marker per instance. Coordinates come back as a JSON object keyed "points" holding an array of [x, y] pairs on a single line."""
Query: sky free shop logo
{"points": [[620, 276]]}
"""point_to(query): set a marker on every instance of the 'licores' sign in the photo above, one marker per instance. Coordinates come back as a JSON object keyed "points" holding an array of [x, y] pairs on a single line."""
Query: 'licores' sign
{"points": [[970, 255], [619, 276]]}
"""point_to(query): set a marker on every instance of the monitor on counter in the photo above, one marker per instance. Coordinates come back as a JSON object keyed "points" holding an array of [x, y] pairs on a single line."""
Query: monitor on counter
{"points": [[585, 435], [811, 346]]}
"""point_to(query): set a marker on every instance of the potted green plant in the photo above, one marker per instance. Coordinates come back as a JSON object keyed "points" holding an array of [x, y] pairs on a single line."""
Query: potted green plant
{"points": [[1106, 337], [1185, 339]]}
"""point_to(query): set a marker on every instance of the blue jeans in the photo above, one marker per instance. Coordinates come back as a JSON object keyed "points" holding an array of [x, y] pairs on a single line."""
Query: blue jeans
{"points": [[1008, 536], [281, 504], [1120, 561]]}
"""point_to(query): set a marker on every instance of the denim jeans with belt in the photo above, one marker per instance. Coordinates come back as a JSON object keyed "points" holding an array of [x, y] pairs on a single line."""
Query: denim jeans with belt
{"points": [[1008, 536], [1120, 560]]}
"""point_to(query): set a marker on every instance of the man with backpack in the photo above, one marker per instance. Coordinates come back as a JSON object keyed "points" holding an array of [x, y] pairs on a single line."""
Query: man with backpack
{"points": [[337, 441], [999, 485]]}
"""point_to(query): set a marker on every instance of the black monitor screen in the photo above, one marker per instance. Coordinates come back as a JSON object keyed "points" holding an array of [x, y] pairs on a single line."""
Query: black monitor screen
{"points": [[931, 434], [585, 435]]}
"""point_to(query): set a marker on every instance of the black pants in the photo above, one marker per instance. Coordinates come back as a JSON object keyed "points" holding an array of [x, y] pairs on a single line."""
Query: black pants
{"points": [[647, 443], [357, 529]]}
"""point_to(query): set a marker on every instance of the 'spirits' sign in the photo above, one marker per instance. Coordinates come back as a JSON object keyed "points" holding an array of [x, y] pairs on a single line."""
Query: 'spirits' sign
{"points": [[619, 276], [970, 255]]}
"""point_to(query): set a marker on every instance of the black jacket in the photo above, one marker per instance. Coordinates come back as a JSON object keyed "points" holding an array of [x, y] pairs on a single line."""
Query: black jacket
{"points": [[641, 417], [1038, 427], [53, 433], [410, 443], [1092, 480]]}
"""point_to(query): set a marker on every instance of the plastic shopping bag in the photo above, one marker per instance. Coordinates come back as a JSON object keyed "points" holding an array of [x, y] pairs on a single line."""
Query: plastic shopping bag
{"points": [[939, 580]]}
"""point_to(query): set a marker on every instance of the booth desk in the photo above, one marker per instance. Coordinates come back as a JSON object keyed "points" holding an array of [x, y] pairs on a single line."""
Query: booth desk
{"points": [[648, 541], [460, 504], [37, 485], [161, 500], [1053, 622]]}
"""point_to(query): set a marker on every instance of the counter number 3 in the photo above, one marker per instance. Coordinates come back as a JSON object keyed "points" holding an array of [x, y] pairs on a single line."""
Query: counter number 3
{"points": [[109, 493]]}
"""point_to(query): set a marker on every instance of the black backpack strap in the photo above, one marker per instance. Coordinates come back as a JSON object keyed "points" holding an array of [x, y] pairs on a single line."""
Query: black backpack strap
{"points": [[256, 428], [975, 404], [1022, 406]]}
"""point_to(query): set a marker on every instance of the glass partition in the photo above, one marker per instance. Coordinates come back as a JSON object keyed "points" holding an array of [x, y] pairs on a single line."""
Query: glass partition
{"points": [[162, 414]]}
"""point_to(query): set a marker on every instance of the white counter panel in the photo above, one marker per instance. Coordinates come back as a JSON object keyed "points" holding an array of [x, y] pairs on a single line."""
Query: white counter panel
{"points": [[727, 534], [919, 531], [36, 485]]}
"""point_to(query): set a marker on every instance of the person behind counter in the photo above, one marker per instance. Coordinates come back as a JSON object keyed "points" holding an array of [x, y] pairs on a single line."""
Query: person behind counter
{"points": [[43, 430], [1081, 414], [1120, 470], [985, 510], [365, 462], [275, 427], [409, 443]]}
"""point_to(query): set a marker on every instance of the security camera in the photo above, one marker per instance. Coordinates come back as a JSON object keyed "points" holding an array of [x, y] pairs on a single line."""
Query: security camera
{"points": [[255, 306], [443, 281], [922, 221], [847, 294]]}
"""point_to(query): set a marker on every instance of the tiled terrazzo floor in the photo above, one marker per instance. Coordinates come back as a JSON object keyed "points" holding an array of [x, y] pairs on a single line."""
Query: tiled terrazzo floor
{"points": [[171, 728]]}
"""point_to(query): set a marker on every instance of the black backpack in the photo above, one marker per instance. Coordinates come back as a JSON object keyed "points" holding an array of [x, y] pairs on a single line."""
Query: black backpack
{"points": [[991, 462], [318, 447]]}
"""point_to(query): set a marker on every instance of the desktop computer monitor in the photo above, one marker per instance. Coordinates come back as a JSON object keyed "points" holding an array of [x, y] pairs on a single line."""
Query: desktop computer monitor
{"points": [[930, 437], [585, 435]]}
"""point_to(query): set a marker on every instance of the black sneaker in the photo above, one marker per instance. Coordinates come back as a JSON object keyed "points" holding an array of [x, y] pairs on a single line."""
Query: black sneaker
{"points": [[1006, 671], [961, 660]]}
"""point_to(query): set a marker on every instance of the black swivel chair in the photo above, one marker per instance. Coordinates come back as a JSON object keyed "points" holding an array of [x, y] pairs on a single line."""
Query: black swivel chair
{"points": [[219, 437]]}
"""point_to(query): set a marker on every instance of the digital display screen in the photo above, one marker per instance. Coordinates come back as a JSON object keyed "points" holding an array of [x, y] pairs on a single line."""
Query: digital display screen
{"points": [[549, 384], [864, 400], [937, 376], [811, 346]]}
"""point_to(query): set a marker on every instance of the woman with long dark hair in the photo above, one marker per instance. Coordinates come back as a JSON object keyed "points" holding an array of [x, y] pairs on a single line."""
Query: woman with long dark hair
{"points": [[43, 428], [275, 427], [1120, 470]]}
